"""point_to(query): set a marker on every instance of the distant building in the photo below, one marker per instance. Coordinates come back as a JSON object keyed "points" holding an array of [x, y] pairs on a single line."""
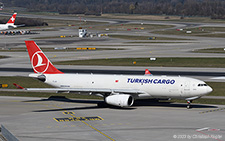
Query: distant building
{"points": [[82, 32], [1, 6]]}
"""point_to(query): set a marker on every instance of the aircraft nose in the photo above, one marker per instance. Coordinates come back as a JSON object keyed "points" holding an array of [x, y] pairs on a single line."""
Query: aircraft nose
{"points": [[209, 89]]}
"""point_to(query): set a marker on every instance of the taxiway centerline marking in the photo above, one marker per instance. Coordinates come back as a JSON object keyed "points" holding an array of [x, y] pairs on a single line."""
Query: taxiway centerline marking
{"points": [[88, 125]]}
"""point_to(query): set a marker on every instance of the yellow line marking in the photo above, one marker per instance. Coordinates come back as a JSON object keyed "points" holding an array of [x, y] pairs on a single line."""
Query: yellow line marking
{"points": [[96, 128], [70, 119], [68, 113], [88, 125], [98, 131], [215, 110], [100, 118], [55, 120]]}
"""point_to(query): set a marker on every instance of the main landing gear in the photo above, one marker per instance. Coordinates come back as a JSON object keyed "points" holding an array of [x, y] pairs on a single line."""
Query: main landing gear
{"points": [[102, 105], [189, 104]]}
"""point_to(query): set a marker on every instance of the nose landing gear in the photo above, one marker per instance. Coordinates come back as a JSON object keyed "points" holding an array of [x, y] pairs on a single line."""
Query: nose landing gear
{"points": [[189, 104]]}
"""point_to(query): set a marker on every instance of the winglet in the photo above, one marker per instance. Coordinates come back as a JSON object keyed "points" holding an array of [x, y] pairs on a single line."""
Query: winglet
{"points": [[147, 72], [39, 61], [12, 19], [18, 86]]}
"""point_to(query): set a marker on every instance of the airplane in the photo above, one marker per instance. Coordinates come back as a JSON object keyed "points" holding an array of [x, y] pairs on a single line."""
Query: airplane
{"points": [[10, 23], [117, 90]]}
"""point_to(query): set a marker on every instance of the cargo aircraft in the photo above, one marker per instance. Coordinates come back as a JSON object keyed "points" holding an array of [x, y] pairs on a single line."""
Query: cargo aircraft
{"points": [[117, 90], [10, 23]]}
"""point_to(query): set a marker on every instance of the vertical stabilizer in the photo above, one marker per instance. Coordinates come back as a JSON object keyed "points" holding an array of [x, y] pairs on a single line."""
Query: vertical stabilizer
{"points": [[147, 72], [39, 61], [12, 19]]}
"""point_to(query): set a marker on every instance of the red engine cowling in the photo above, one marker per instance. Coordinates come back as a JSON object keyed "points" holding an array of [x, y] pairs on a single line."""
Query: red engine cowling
{"points": [[121, 100]]}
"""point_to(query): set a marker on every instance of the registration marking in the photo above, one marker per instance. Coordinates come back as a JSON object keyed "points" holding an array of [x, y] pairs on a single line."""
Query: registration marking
{"points": [[70, 119]]}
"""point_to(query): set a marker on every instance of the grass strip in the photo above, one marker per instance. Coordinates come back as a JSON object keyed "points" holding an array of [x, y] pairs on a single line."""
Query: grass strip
{"points": [[129, 37], [216, 32], [26, 82], [156, 42], [210, 50], [160, 62], [218, 88], [2, 57]]}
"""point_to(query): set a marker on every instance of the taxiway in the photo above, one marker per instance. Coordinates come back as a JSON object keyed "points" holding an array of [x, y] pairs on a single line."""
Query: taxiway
{"points": [[34, 119]]}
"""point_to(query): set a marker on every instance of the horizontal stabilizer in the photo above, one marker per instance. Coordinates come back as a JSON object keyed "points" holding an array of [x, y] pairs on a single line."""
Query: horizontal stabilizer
{"points": [[18, 86]]}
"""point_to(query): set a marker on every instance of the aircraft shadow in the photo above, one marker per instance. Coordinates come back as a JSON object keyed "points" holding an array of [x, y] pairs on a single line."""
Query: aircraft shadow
{"points": [[64, 99], [150, 102], [69, 109], [137, 103]]}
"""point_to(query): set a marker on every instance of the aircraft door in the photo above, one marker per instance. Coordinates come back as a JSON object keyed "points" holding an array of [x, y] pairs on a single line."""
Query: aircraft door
{"points": [[187, 87]]}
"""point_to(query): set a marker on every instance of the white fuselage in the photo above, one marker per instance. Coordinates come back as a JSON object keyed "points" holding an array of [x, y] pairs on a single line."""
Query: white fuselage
{"points": [[152, 86], [6, 26]]}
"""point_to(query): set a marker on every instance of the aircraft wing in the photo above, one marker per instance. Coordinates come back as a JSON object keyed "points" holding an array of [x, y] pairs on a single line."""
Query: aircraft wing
{"points": [[20, 25], [83, 90], [87, 90]]}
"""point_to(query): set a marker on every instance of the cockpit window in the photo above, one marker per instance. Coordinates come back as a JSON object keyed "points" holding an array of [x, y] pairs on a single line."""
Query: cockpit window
{"points": [[200, 85]]}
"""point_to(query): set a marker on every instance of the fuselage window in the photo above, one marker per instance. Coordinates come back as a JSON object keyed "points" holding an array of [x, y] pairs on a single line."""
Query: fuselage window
{"points": [[199, 85]]}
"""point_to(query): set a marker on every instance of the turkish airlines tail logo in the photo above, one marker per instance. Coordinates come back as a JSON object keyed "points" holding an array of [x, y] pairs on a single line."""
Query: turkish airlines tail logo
{"points": [[39, 61], [12, 19]]}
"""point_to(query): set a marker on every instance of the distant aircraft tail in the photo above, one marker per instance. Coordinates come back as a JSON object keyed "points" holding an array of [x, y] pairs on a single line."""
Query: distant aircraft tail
{"points": [[39, 61], [147, 72], [12, 19]]}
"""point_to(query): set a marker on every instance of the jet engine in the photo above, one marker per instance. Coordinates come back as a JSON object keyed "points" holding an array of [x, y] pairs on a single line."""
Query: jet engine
{"points": [[40, 77], [121, 100]]}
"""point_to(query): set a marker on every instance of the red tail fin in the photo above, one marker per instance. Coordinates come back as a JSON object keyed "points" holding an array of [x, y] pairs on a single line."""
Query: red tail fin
{"points": [[147, 72], [12, 19], [39, 60]]}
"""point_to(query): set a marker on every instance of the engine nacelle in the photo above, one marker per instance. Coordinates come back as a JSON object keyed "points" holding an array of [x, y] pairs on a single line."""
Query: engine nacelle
{"points": [[121, 100], [40, 77]]}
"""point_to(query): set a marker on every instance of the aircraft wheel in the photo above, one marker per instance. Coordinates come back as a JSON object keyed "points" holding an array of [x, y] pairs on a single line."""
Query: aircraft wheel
{"points": [[189, 105]]}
